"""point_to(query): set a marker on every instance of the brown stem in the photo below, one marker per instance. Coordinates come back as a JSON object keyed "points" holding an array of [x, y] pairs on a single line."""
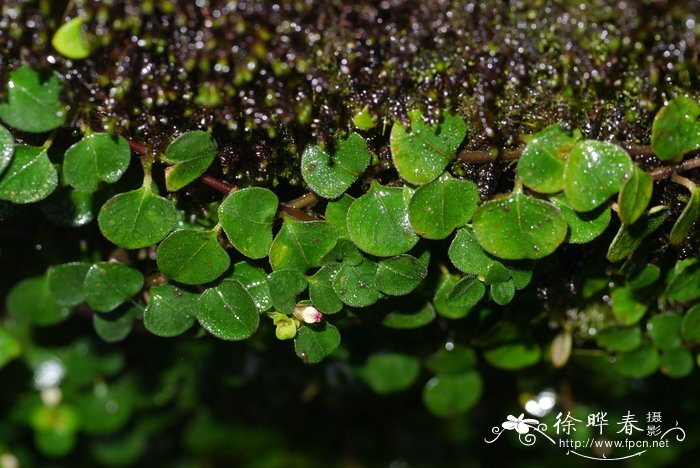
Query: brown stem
{"points": [[482, 157], [663, 172], [217, 184], [296, 213], [137, 147], [303, 201]]}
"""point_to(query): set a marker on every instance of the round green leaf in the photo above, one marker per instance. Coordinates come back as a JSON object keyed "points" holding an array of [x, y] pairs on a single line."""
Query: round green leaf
{"points": [[583, 227], [246, 216], [66, 283], [513, 356], [442, 205], [321, 291], [400, 275], [285, 286], [422, 153], [192, 257], [337, 215], [228, 311], [541, 166], [30, 301], [171, 310], [665, 330], [620, 338], [467, 255], [30, 177], [32, 101], [97, 157], [454, 359], [502, 293], [449, 395], [330, 175], [254, 279], [109, 284], [355, 284], [676, 130], [408, 314], [301, 245], [594, 172], [645, 277], [690, 214], [519, 227], [378, 222], [676, 362], [314, 342], [441, 300], [635, 196], [640, 362], [343, 252], [7, 148], [465, 294], [690, 326], [70, 41], [190, 155], [115, 326], [136, 219], [627, 307], [390, 372]]}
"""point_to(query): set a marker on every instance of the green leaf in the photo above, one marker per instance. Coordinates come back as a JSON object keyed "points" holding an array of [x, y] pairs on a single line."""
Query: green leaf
{"points": [[10, 347], [513, 356], [627, 307], [97, 157], [115, 326], [449, 395], [497, 273], [66, 283], [645, 277], [400, 275], [355, 284], [690, 326], [628, 238], [171, 310], [676, 362], [685, 284], [387, 373], [466, 254], [254, 279], [109, 284], [594, 172], [30, 301], [620, 338], [285, 286], [7, 148], [301, 245], [343, 252], [442, 205], [190, 155], [407, 314], [502, 293], [136, 219], [519, 227], [228, 311], [246, 216], [541, 166], [106, 408], [640, 362], [452, 359], [665, 330], [70, 41], [321, 291], [675, 130], [32, 101], [315, 342], [30, 177], [378, 222], [635, 195], [465, 294], [330, 175], [690, 214], [337, 214], [192, 257], [422, 153], [441, 301], [364, 119]]}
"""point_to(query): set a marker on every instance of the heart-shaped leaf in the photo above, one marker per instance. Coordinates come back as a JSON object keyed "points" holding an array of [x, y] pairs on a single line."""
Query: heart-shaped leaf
{"points": [[400, 275], [254, 279], [422, 153], [541, 166], [676, 130], [449, 395], [137, 219], [690, 214], [30, 301], [442, 205], [628, 238], [192, 257], [519, 227], [70, 41], [330, 175], [97, 157], [190, 155], [407, 314], [66, 283], [285, 286], [109, 284], [583, 227], [314, 342], [171, 310], [32, 101], [378, 222], [594, 172], [246, 216], [30, 176], [321, 291], [7, 148], [635, 196], [390, 372], [228, 311], [355, 284], [302, 245]]}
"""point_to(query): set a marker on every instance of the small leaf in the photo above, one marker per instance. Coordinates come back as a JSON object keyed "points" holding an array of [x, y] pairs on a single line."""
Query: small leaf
{"points": [[465, 294], [452, 360], [541, 166], [513, 356], [337, 215], [583, 227], [321, 292], [228, 311], [502, 293], [676, 362], [70, 41], [32, 101], [285, 286], [645, 277], [519, 227], [635, 196], [10, 347], [467, 255], [109, 284], [301, 245], [690, 326], [378, 222], [97, 157], [685, 284], [344, 252], [628, 309], [449, 395], [628, 238], [171, 310], [66, 283], [254, 280], [407, 314], [640, 362], [136, 219], [400, 275], [390, 372], [422, 153], [675, 130], [690, 214], [190, 155], [30, 301], [315, 342], [7, 148], [115, 326], [30, 176], [246, 216], [665, 330], [192, 257], [620, 338], [330, 175], [497, 273], [441, 301], [355, 284], [594, 172]]}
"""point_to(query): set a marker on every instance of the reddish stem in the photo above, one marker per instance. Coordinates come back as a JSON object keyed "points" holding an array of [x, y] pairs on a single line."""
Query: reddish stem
{"points": [[296, 214], [217, 184], [137, 147]]}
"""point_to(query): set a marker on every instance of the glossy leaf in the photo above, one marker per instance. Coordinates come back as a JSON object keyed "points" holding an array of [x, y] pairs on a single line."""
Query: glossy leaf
{"points": [[635, 195], [675, 129], [330, 175], [407, 314], [285, 286], [192, 257], [665, 330], [110, 284], [343, 252], [190, 155], [378, 222], [30, 177], [32, 101], [449, 395], [7, 148], [337, 214], [690, 325], [301, 245], [541, 166], [115, 326], [467, 255], [315, 342], [228, 311], [355, 284], [30, 301], [97, 157], [400, 275], [502, 293], [640, 362], [171, 310], [690, 214], [627, 306], [254, 279], [246, 216], [594, 172], [66, 283], [620, 338], [583, 227], [628, 238], [387, 373], [321, 292], [513, 356], [70, 41], [422, 153], [465, 294], [442, 205]]}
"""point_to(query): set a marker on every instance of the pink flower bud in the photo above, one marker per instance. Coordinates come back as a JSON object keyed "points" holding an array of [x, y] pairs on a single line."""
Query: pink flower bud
{"points": [[308, 314]]}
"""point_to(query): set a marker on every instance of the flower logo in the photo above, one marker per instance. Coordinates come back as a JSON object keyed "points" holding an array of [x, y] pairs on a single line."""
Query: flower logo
{"points": [[522, 426]]}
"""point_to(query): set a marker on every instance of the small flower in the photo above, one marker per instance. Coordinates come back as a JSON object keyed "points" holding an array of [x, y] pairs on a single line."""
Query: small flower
{"points": [[286, 326], [308, 314], [522, 426]]}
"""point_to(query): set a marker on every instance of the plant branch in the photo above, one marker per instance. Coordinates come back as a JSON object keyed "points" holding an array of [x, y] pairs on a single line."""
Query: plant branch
{"points": [[687, 165], [137, 147], [296, 213], [217, 184], [303, 201]]}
